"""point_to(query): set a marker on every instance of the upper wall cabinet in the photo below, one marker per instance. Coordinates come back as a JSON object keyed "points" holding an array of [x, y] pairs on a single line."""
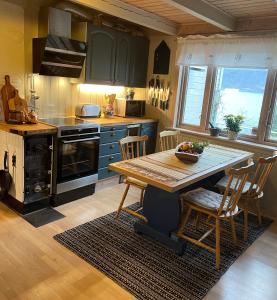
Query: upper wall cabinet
{"points": [[101, 55], [116, 57], [138, 62]]}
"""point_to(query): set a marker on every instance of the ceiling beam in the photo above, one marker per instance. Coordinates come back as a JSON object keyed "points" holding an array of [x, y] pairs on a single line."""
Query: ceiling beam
{"points": [[205, 12], [131, 13]]}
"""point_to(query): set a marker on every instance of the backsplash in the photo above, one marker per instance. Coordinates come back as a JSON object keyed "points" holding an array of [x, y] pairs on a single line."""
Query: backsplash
{"points": [[58, 96]]}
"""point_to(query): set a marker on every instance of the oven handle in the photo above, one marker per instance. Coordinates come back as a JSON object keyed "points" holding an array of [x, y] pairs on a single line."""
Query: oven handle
{"points": [[80, 140]]}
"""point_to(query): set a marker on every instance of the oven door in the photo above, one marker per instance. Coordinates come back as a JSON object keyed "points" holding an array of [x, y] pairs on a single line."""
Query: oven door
{"points": [[77, 158]]}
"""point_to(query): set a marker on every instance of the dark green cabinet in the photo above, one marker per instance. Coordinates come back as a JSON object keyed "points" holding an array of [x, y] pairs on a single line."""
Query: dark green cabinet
{"points": [[138, 62], [122, 60], [115, 57], [100, 62]]}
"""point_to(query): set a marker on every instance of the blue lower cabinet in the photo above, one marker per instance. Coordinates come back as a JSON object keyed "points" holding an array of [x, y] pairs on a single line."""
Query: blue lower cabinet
{"points": [[112, 136], [150, 129], [104, 161], [108, 149], [105, 173]]}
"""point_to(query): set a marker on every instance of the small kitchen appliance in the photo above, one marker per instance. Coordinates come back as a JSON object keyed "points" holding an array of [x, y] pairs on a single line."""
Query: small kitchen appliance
{"points": [[129, 108], [88, 110]]}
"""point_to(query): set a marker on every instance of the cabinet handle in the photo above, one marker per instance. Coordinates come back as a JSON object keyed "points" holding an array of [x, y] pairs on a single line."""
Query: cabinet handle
{"points": [[113, 134], [112, 147], [111, 158], [113, 129]]}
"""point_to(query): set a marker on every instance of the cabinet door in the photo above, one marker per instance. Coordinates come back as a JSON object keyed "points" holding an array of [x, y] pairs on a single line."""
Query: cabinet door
{"points": [[122, 64], [100, 62], [138, 62], [15, 147], [150, 129]]}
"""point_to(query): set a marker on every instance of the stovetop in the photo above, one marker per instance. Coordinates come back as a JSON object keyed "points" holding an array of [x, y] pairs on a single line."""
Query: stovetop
{"points": [[62, 122]]}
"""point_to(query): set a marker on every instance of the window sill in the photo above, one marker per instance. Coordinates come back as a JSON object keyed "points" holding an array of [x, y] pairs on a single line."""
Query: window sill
{"points": [[256, 146]]}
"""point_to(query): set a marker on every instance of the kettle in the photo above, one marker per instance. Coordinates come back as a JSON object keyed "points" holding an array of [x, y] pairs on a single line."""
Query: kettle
{"points": [[5, 178]]}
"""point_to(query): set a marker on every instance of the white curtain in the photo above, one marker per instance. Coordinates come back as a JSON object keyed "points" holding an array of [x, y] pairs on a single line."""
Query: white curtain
{"points": [[228, 50]]}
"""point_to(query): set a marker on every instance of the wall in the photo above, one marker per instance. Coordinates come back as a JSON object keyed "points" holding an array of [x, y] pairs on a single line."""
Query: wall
{"points": [[165, 117], [12, 45]]}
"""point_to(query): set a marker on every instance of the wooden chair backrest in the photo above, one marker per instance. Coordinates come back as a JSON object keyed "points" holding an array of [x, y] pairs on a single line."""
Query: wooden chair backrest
{"points": [[263, 170], [133, 146], [169, 139], [234, 188]]}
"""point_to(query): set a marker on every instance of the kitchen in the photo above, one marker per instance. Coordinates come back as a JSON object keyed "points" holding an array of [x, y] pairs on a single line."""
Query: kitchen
{"points": [[93, 73]]}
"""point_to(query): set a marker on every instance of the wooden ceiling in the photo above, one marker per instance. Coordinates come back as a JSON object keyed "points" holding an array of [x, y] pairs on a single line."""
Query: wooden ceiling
{"points": [[241, 15], [183, 17], [246, 8], [163, 9]]}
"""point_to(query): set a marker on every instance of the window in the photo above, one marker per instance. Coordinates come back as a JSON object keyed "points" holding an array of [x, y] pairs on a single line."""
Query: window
{"points": [[273, 129], [194, 95], [239, 91]]}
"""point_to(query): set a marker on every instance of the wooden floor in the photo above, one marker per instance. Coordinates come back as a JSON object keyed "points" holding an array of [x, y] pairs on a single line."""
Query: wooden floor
{"points": [[34, 266]]}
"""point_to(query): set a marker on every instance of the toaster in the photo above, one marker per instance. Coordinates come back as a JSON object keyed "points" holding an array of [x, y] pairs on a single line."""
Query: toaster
{"points": [[88, 110]]}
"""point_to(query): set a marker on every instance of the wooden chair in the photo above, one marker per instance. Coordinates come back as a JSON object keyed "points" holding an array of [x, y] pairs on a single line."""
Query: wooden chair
{"points": [[132, 147], [169, 139], [253, 189], [215, 206]]}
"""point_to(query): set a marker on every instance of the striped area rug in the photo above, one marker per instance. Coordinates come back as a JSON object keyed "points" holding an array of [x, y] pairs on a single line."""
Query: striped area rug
{"points": [[147, 269]]}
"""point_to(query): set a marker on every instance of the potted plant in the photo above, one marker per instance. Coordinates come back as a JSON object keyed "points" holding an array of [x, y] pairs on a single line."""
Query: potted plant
{"points": [[233, 125]]}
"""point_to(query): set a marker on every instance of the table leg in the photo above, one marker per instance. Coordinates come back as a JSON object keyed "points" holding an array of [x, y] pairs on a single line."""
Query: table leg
{"points": [[163, 211]]}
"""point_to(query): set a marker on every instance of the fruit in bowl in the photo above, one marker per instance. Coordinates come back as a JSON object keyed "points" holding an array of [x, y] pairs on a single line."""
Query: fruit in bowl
{"points": [[190, 151]]}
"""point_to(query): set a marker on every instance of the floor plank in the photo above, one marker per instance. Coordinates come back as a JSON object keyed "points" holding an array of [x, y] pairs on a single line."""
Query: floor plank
{"points": [[34, 266]]}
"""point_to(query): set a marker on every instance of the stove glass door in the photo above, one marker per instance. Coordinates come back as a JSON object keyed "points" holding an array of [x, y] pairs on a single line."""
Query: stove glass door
{"points": [[77, 157]]}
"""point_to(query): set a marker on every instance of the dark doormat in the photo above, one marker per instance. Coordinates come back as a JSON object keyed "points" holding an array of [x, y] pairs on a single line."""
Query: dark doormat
{"points": [[43, 216], [149, 270]]}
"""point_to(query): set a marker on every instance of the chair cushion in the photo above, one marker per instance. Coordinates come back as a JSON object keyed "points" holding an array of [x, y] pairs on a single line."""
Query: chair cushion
{"points": [[204, 198], [136, 182], [222, 184]]}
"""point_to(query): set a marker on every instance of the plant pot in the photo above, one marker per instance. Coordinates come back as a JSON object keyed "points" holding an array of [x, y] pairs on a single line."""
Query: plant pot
{"points": [[214, 131], [232, 135]]}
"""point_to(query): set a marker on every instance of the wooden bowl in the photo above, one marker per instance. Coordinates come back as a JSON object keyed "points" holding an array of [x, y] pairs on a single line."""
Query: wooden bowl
{"points": [[185, 156]]}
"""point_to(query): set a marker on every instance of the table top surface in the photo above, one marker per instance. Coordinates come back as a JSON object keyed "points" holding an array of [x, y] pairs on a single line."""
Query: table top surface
{"points": [[165, 171]]}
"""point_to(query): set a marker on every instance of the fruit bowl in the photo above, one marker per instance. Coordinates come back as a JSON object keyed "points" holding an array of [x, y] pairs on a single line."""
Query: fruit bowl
{"points": [[190, 151]]}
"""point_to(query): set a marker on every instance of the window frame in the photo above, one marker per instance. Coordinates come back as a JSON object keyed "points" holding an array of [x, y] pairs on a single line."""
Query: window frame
{"points": [[266, 114], [182, 95]]}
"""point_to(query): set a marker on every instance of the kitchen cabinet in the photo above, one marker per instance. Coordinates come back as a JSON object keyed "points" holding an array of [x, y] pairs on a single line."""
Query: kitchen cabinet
{"points": [[115, 57], [138, 62], [14, 145], [29, 161], [150, 129], [101, 55], [122, 60], [109, 150]]}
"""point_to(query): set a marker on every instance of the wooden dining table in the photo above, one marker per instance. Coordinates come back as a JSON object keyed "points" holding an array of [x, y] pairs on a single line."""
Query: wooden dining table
{"points": [[167, 177]]}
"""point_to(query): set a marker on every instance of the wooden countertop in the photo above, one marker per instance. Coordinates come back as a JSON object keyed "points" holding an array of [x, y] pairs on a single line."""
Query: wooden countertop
{"points": [[118, 121], [27, 129], [30, 129]]}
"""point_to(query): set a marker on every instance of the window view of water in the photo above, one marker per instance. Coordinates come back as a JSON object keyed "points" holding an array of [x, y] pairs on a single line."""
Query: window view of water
{"points": [[239, 91]]}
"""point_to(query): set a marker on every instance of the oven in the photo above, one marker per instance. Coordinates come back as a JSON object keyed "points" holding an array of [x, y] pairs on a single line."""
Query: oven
{"points": [[77, 153]]}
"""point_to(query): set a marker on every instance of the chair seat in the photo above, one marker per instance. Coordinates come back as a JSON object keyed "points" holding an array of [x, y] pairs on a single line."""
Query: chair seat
{"points": [[136, 182], [204, 198], [222, 184]]}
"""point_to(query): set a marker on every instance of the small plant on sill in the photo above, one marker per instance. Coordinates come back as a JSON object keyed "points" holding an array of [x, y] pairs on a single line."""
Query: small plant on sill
{"points": [[233, 125]]}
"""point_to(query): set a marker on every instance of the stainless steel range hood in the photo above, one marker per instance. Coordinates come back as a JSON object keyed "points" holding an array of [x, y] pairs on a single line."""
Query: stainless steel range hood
{"points": [[54, 52]]}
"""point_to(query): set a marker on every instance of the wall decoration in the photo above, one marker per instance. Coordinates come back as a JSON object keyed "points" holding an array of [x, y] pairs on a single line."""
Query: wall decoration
{"points": [[161, 59]]}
